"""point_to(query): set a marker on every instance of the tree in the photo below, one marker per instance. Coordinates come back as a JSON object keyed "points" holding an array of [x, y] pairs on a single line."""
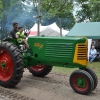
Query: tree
{"points": [[1, 8], [89, 10], [22, 11], [52, 10], [16, 11]]}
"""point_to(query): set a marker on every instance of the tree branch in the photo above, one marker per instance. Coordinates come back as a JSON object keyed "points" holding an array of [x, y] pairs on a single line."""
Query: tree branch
{"points": [[48, 8], [61, 7]]}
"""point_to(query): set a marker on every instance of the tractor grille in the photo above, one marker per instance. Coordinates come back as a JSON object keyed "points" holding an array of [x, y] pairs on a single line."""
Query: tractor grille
{"points": [[61, 50], [82, 52]]}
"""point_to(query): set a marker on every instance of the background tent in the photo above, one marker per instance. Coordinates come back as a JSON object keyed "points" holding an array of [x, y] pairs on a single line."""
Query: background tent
{"points": [[50, 30], [91, 30], [34, 28]]}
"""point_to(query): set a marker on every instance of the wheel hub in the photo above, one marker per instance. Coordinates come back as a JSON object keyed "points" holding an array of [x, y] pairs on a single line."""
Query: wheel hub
{"points": [[80, 82], [3, 65], [6, 66], [37, 68]]}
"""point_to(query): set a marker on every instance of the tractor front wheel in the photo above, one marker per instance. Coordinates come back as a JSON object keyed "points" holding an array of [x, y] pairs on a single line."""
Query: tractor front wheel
{"points": [[81, 82], [11, 65], [40, 70], [92, 73]]}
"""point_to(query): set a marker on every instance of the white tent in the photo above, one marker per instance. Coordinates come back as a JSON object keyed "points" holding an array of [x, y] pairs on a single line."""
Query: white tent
{"points": [[49, 32], [56, 28], [34, 28], [52, 26]]}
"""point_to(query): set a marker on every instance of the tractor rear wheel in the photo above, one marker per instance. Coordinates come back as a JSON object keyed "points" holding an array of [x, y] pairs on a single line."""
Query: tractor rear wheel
{"points": [[81, 82], [40, 70], [11, 65]]}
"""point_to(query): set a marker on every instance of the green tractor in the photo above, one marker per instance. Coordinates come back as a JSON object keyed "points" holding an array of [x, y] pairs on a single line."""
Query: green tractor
{"points": [[42, 55]]}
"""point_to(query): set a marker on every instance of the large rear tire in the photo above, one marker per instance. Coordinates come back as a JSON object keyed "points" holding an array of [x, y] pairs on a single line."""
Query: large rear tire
{"points": [[11, 65], [81, 82], [40, 70]]}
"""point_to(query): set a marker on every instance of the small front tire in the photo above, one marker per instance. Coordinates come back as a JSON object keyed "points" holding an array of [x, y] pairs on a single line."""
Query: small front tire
{"points": [[92, 73], [81, 82]]}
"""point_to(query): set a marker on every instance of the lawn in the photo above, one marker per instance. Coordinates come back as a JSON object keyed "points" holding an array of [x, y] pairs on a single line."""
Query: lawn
{"points": [[95, 66]]}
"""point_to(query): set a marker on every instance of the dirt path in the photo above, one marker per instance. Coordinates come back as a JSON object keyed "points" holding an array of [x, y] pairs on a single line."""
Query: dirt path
{"points": [[53, 87]]}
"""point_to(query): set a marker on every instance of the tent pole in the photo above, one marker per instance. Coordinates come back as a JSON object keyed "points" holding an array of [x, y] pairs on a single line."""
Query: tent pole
{"points": [[60, 26], [39, 18]]}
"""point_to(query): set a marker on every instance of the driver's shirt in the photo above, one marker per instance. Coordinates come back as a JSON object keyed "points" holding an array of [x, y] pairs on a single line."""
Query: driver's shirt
{"points": [[13, 33]]}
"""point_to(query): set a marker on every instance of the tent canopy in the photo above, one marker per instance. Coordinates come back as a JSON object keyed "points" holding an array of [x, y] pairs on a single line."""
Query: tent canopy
{"points": [[91, 30], [52, 28], [49, 32]]}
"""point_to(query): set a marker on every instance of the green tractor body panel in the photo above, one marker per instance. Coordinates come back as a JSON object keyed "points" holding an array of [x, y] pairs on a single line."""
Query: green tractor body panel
{"points": [[11, 40], [54, 51]]}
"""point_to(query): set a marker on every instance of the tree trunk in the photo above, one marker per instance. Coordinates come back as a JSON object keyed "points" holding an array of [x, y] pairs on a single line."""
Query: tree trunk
{"points": [[60, 26]]}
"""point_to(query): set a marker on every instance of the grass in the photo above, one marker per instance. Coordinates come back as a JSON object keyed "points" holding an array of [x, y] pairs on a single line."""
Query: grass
{"points": [[95, 66]]}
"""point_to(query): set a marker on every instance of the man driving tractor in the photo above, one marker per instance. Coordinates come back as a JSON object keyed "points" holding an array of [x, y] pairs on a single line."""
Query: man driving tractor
{"points": [[14, 30]]}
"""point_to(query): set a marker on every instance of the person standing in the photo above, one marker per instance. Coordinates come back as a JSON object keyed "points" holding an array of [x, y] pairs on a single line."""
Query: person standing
{"points": [[14, 30], [93, 54]]}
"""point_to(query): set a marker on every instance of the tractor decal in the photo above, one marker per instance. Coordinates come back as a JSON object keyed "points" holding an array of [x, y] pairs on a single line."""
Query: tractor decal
{"points": [[40, 46]]}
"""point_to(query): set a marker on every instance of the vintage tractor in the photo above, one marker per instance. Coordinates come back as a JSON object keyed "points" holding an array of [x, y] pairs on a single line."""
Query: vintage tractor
{"points": [[42, 55]]}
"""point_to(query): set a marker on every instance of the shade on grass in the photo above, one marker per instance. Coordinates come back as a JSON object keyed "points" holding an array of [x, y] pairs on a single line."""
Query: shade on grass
{"points": [[95, 66]]}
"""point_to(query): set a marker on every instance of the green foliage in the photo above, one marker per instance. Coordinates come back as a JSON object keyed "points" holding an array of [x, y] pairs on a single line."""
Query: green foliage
{"points": [[52, 10], [57, 8], [1, 8], [90, 10], [22, 12], [15, 11]]}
